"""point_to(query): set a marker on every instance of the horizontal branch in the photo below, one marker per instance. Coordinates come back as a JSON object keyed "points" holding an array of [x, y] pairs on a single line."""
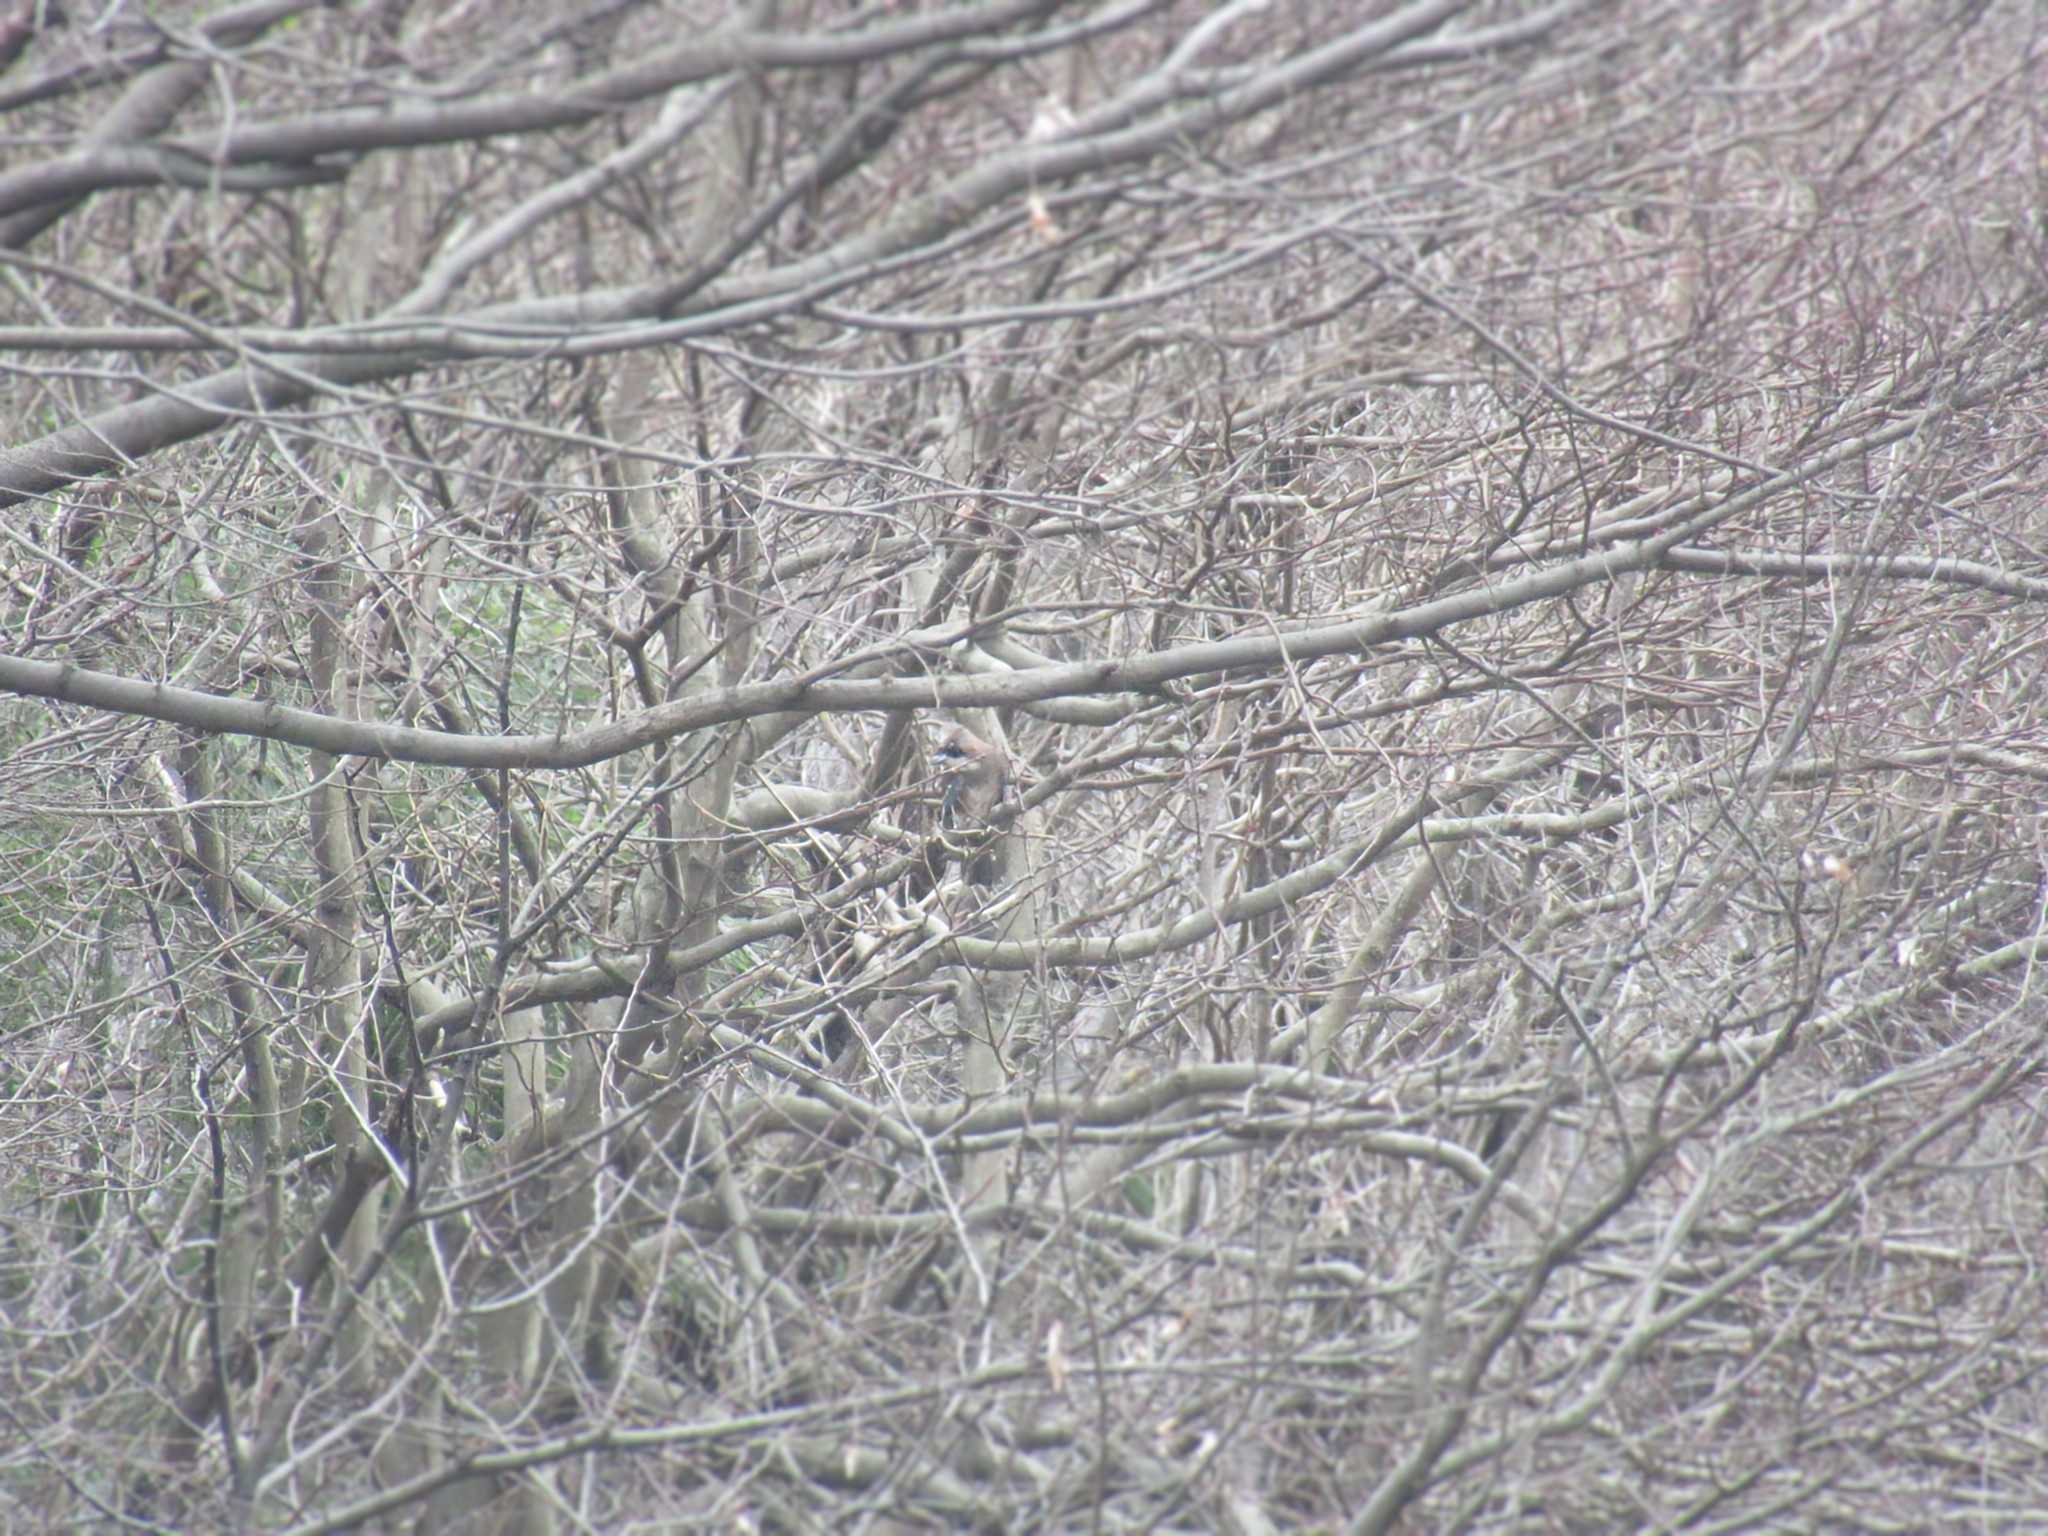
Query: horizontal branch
{"points": [[749, 1427], [1805, 567], [160, 165]]}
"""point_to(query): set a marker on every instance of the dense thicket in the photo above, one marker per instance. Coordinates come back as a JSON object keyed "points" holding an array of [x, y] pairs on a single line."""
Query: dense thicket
{"points": [[1501, 546]]}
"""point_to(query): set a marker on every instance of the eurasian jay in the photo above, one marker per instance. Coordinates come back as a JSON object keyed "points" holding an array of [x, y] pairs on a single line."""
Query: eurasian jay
{"points": [[974, 772]]}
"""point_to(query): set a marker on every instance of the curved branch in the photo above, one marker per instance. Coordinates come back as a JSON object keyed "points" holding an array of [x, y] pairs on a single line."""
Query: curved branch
{"points": [[124, 434], [1145, 672], [353, 131]]}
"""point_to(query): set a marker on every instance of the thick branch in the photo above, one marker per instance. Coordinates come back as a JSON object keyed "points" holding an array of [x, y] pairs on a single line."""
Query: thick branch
{"points": [[125, 434]]}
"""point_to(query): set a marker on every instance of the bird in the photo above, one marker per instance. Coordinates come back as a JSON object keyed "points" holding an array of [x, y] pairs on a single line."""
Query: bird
{"points": [[973, 773]]}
